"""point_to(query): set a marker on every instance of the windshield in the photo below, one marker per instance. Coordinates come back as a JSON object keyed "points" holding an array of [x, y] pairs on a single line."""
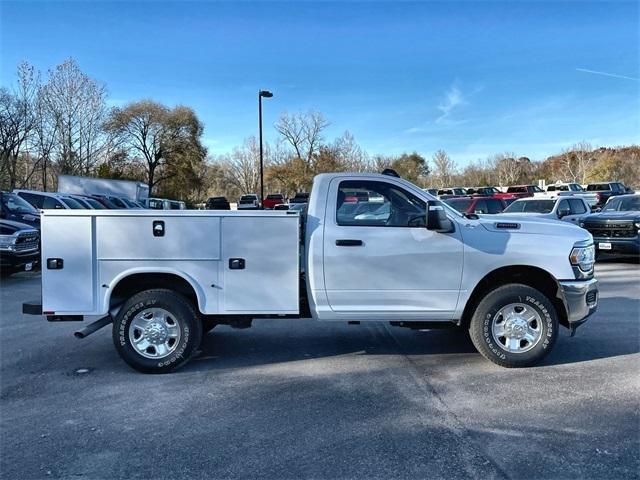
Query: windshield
{"points": [[15, 204], [71, 203], [530, 206], [94, 203], [625, 204]]}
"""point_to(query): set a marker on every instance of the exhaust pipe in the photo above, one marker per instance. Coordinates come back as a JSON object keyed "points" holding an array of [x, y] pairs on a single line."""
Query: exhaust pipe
{"points": [[93, 327]]}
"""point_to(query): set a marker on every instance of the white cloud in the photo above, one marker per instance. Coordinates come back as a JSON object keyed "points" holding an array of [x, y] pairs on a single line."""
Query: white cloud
{"points": [[454, 99]]}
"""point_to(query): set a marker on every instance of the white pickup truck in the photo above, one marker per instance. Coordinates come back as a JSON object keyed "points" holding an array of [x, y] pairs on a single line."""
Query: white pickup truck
{"points": [[391, 253]]}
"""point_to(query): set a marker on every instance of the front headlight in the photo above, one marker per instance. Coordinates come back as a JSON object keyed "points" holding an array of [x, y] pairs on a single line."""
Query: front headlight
{"points": [[583, 257], [7, 243]]}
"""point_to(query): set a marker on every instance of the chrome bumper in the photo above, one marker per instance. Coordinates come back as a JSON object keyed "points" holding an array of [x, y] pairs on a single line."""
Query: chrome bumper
{"points": [[580, 299]]}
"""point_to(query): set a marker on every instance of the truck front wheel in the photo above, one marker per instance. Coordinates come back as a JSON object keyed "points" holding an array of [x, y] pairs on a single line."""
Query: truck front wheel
{"points": [[157, 331], [514, 326]]}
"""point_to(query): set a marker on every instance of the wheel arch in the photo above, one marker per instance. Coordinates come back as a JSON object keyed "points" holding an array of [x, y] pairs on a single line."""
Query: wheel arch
{"points": [[534, 277], [136, 280]]}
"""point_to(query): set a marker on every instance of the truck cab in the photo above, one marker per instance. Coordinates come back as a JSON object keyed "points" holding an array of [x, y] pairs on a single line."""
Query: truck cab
{"points": [[396, 254]]}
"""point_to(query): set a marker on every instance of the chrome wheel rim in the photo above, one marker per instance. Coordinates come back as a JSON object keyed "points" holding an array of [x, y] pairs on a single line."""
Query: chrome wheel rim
{"points": [[155, 333], [517, 328]]}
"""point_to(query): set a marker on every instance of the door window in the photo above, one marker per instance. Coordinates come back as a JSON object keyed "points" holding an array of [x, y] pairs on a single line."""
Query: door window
{"points": [[378, 204], [50, 202], [495, 206], [564, 205], [35, 200], [480, 207], [577, 206]]}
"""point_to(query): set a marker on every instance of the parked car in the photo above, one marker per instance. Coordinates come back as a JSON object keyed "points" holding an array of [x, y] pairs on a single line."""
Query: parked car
{"points": [[282, 206], [432, 191], [300, 197], [569, 189], [569, 209], [452, 192], [523, 191], [510, 281], [105, 202], [604, 190], [49, 200], [249, 201], [273, 199], [218, 203], [19, 247], [616, 228], [492, 192], [16, 209], [88, 202], [477, 204], [157, 203]]}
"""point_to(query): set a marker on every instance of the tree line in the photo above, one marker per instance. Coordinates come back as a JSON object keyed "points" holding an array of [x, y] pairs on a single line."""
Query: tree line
{"points": [[60, 123]]}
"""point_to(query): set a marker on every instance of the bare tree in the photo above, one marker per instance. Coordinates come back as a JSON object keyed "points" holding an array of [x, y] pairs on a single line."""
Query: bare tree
{"points": [[243, 166], [577, 162], [443, 168], [507, 168], [303, 132], [17, 120], [76, 104]]}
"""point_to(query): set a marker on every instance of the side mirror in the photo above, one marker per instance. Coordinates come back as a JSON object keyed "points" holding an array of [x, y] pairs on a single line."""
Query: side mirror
{"points": [[437, 219], [564, 212]]}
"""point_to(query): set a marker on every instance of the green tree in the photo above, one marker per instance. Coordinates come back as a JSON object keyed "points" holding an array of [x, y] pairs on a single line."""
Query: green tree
{"points": [[165, 141]]}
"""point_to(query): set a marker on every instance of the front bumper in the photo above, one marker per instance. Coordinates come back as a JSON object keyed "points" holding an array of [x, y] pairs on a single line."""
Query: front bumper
{"points": [[580, 299], [18, 259], [619, 246]]}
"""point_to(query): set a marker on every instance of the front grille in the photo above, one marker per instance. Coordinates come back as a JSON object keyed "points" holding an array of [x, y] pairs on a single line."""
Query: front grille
{"points": [[611, 230], [27, 242], [591, 298]]}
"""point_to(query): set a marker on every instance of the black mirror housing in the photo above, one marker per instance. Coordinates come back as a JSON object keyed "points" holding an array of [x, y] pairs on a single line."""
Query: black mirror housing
{"points": [[437, 219], [564, 212]]}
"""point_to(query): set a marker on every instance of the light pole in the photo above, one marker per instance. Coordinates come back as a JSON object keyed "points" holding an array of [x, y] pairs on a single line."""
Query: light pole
{"points": [[265, 94]]}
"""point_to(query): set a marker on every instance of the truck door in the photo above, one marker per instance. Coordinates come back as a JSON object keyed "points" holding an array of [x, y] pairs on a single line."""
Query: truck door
{"points": [[379, 258]]}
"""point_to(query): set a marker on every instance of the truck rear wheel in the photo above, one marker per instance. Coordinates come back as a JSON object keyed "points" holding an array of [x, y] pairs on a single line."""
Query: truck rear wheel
{"points": [[514, 326], [157, 331]]}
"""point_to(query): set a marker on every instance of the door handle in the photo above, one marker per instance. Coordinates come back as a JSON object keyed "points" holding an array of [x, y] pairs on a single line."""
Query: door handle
{"points": [[349, 243]]}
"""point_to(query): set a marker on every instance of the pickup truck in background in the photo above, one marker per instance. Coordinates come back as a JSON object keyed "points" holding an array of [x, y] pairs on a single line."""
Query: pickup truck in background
{"points": [[561, 189], [605, 190], [523, 191], [163, 279]]}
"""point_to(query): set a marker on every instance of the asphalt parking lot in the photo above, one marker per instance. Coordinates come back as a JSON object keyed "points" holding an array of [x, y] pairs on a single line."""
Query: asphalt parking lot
{"points": [[292, 399]]}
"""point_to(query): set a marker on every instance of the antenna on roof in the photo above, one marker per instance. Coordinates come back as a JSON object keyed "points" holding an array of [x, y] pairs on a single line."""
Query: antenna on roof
{"points": [[391, 172]]}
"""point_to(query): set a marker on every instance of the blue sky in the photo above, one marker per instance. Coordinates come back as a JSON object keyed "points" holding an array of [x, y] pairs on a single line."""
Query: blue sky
{"points": [[473, 78]]}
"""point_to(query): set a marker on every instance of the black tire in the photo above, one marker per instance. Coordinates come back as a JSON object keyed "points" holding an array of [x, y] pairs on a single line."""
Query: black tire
{"points": [[484, 317], [184, 313]]}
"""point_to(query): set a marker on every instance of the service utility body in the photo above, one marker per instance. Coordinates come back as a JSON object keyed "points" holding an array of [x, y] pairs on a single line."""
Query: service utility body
{"points": [[370, 247]]}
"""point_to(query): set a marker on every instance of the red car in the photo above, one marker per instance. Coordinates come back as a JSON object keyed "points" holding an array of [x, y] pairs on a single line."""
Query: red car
{"points": [[523, 191], [492, 192], [477, 204], [273, 199]]}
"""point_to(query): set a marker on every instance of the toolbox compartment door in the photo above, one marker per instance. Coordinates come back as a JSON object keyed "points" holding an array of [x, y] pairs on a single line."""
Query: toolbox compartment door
{"points": [[264, 278], [183, 237], [69, 285]]}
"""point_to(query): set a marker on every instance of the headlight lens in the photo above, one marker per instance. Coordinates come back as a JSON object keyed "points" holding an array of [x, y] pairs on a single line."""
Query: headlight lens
{"points": [[583, 257], [7, 242]]}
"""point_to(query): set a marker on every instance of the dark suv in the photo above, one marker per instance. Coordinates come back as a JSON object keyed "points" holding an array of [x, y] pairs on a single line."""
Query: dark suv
{"points": [[19, 247], [616, 228], [218, 203], [16, 209]]}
